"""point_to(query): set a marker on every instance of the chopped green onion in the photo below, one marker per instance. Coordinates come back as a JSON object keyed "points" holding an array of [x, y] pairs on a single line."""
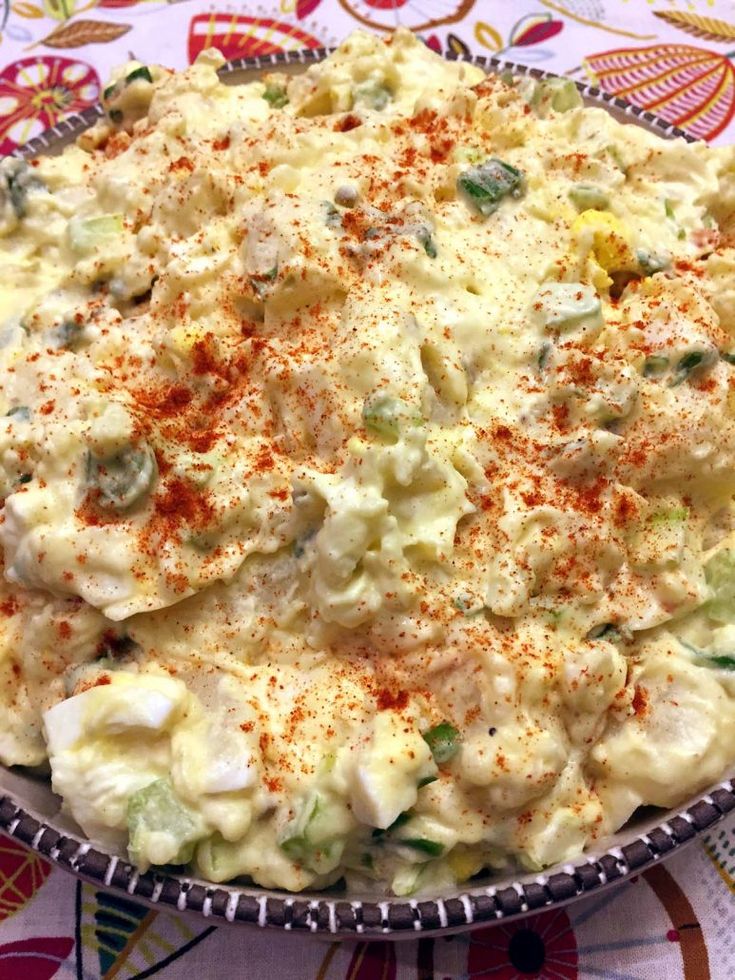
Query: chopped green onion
{"points": [[669, 209], [722, 661], [141, 74], [430, 847], [400, 820], [426, 781], [727, 356], [25, 478], [332, 217], [605, 631], [719, 661], [260, 283], [694, 361], [484, 187], [655, 365], [69, 334], [443, 740], [425, 239], [543, 355], [21, 412], [19, 179], [651, 262]]}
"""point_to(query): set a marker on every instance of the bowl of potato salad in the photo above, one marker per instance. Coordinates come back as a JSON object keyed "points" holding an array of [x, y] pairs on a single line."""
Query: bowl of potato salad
{"points": [[368, 457]]}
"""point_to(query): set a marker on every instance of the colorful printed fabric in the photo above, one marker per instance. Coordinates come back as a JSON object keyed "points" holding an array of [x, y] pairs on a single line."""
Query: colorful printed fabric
{"points": [[676, 920]]}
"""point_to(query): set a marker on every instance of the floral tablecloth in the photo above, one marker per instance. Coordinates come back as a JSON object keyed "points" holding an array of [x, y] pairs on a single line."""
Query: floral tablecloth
{"points": [[676, 920]]}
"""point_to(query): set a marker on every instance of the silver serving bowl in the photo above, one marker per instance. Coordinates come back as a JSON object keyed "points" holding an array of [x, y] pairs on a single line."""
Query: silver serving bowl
{"points": [[30, 812]]}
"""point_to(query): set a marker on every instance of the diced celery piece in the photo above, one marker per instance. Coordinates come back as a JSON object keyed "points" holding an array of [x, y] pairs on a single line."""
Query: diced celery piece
{"points": [[719, 573], [559, 94], [89, 234], [586, 197], [276, 96], [561, 305], [313, 838], [385, 416], [162, 829], [122, 480], [372, 94], [443, 740]]}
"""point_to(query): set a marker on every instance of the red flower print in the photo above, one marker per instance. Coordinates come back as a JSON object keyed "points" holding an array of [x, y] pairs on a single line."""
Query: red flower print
{"points": [[36, 93], [240, 36], [542, 946]]}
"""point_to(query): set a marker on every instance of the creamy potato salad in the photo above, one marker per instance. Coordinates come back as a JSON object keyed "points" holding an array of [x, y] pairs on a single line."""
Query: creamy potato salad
{"points": [[367, 457]]}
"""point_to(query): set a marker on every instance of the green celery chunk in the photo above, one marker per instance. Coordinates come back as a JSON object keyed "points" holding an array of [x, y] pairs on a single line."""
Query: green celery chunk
{"points": [[385, 416], [677, 515], [123, 480], [565, 305], [94, 234], [372, 95], [486, 186], [559, 94], [162, 829], [276, 96], [443, 740], [586, 197], [313, 839], [719, 573]]}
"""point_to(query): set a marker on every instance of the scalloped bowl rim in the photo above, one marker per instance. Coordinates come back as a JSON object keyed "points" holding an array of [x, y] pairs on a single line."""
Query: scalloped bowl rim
{"points": [[29, 811]]}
